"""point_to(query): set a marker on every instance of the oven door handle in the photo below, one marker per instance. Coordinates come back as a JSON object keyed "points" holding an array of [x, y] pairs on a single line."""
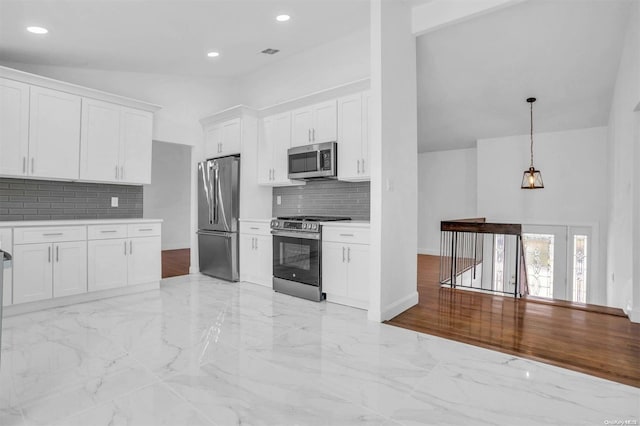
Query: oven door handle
{"points": [[303, 235]]}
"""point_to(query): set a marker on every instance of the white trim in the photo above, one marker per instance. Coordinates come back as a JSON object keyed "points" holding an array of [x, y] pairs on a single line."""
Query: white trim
{"points": [[23, 308], [399, 306], [347, 301], [430, 252], [74, 89], [315, 97], [229, 113]]}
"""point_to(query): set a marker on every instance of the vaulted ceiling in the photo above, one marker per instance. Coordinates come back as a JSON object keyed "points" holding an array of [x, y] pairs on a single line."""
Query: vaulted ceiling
{"points": [[474, 76]]}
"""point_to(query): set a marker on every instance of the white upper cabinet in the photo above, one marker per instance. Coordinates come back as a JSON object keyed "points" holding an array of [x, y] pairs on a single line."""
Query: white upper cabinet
{"points": [[353, 137], [100, 141], [223, 138], [115, 143], [54, 130], [54, 134], [14, 127], [314, 124], [136, 129], [39, 132], [275, 140]]}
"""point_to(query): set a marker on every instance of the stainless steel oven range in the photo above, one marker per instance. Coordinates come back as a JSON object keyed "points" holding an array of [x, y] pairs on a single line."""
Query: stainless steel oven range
{"points": [[297, 255]]}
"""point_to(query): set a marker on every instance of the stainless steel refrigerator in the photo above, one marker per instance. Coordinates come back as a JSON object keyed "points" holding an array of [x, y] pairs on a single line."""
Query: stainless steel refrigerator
{"points": [[218, 212]]}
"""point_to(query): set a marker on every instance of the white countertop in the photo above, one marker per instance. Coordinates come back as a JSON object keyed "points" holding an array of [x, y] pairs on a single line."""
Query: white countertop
{"points": [[348, 223], [79, 222], [267, 220]]}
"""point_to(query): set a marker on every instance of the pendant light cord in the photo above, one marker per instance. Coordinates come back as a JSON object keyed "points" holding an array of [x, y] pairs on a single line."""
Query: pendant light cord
{"points": [[531, 133]]}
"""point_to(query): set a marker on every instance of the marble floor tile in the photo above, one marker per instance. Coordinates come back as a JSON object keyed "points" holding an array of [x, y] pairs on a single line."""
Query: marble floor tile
{"points": [[201, 351]]}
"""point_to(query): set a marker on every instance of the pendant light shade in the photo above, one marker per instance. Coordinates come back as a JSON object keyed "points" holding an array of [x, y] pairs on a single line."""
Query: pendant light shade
{"points": [[532, 178]]}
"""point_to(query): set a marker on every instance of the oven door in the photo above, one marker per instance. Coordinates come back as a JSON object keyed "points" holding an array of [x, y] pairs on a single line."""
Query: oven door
{"points": [[296, 257]]}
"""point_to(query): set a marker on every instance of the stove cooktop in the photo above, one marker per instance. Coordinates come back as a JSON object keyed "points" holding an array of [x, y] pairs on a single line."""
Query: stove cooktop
{"points": [[314, 218]]}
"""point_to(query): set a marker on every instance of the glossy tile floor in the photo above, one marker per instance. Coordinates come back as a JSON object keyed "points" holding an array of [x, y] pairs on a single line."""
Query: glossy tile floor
{"points": [[205, 352]]}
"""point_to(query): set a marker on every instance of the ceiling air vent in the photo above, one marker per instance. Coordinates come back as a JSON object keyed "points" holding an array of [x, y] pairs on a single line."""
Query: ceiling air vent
{"points": [[270, 51]]}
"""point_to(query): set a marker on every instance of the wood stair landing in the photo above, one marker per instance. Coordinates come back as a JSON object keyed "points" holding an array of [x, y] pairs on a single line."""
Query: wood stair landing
{"points": [[600, 342]]}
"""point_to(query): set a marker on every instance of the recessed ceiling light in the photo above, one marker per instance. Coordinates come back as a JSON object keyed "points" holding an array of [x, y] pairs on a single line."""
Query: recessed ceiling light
{"points": [[37, 30], [213, 54], [283, 18]]}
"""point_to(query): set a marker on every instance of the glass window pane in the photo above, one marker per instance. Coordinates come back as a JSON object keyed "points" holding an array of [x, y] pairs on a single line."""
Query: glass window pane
{"points": [[539, 253], [580, 268]]}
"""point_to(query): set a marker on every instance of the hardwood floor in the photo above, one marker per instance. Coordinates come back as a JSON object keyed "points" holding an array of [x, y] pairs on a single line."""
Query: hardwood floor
{"points": [[175, 262], [601, 343]]}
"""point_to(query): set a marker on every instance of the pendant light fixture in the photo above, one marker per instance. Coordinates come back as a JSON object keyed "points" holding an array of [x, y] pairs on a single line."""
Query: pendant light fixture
{"points": [[532, 179]]}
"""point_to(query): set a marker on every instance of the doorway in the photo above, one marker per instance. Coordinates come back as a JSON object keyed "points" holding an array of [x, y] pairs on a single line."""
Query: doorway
{"points": [[559, 261]]}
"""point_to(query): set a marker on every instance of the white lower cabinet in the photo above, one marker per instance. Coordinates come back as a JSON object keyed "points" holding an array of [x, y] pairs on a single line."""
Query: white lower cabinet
{"points": [[107, 260], [52, 262], [6, 244], [345, 266], [45, 270], [256, 253], [144, 260], [118, 262]]}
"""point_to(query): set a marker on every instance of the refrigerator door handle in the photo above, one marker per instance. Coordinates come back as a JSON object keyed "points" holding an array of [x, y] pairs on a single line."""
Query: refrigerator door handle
{"points": [[217, 233], [216, 193]]}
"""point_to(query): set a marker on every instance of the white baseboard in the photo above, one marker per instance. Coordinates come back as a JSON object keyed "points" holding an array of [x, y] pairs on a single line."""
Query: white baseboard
{"points": [[23, 308], [399, 306], [633, 314], [430, 252]]}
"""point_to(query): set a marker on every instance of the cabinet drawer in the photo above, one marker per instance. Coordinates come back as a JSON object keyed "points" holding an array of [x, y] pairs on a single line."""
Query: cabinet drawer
{"points": [[143, 229], [51, 234], [255, 228], [345, 235], [104, 232]]}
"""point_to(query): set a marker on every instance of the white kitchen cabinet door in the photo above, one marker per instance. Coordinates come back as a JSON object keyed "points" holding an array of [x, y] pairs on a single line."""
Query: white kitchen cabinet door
{"points": [[248, 261], [32, 272], [264, 260], [144, 260], [100, 141], [14, 127], [350, 137], [301, 124], [136, 129], [54, 134], [212, 141], [6, 241], [231, 142], [325, 126], [256, 259], [366, 135], [107, 264], [69, 268], [358, 273], [334, 269], [281, 143], [266, 148]]}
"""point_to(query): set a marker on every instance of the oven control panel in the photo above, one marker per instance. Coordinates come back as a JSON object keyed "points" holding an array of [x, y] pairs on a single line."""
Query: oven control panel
{"points": [[295, 225]]}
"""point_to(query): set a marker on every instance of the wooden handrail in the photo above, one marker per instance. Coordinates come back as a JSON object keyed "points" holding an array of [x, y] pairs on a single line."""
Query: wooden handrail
{"points": [[473, 225]]}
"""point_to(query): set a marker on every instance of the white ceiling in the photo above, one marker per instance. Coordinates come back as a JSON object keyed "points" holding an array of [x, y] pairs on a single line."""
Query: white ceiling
{"points": [[474, 77], [171, 36]]}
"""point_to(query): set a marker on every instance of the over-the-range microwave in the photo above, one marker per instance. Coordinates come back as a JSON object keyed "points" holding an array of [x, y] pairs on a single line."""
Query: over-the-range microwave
{"points": [[315, 161]]}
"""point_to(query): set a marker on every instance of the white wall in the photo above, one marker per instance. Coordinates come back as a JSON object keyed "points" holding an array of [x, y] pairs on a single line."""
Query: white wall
{"points": [[394, 171], [169, 194], [320, 68], [446, 190], [623, 141], [573, 168]]}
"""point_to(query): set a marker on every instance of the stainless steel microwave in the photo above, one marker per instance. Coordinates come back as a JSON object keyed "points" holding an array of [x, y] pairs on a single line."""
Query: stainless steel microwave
{"points": [[315, 161]]}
